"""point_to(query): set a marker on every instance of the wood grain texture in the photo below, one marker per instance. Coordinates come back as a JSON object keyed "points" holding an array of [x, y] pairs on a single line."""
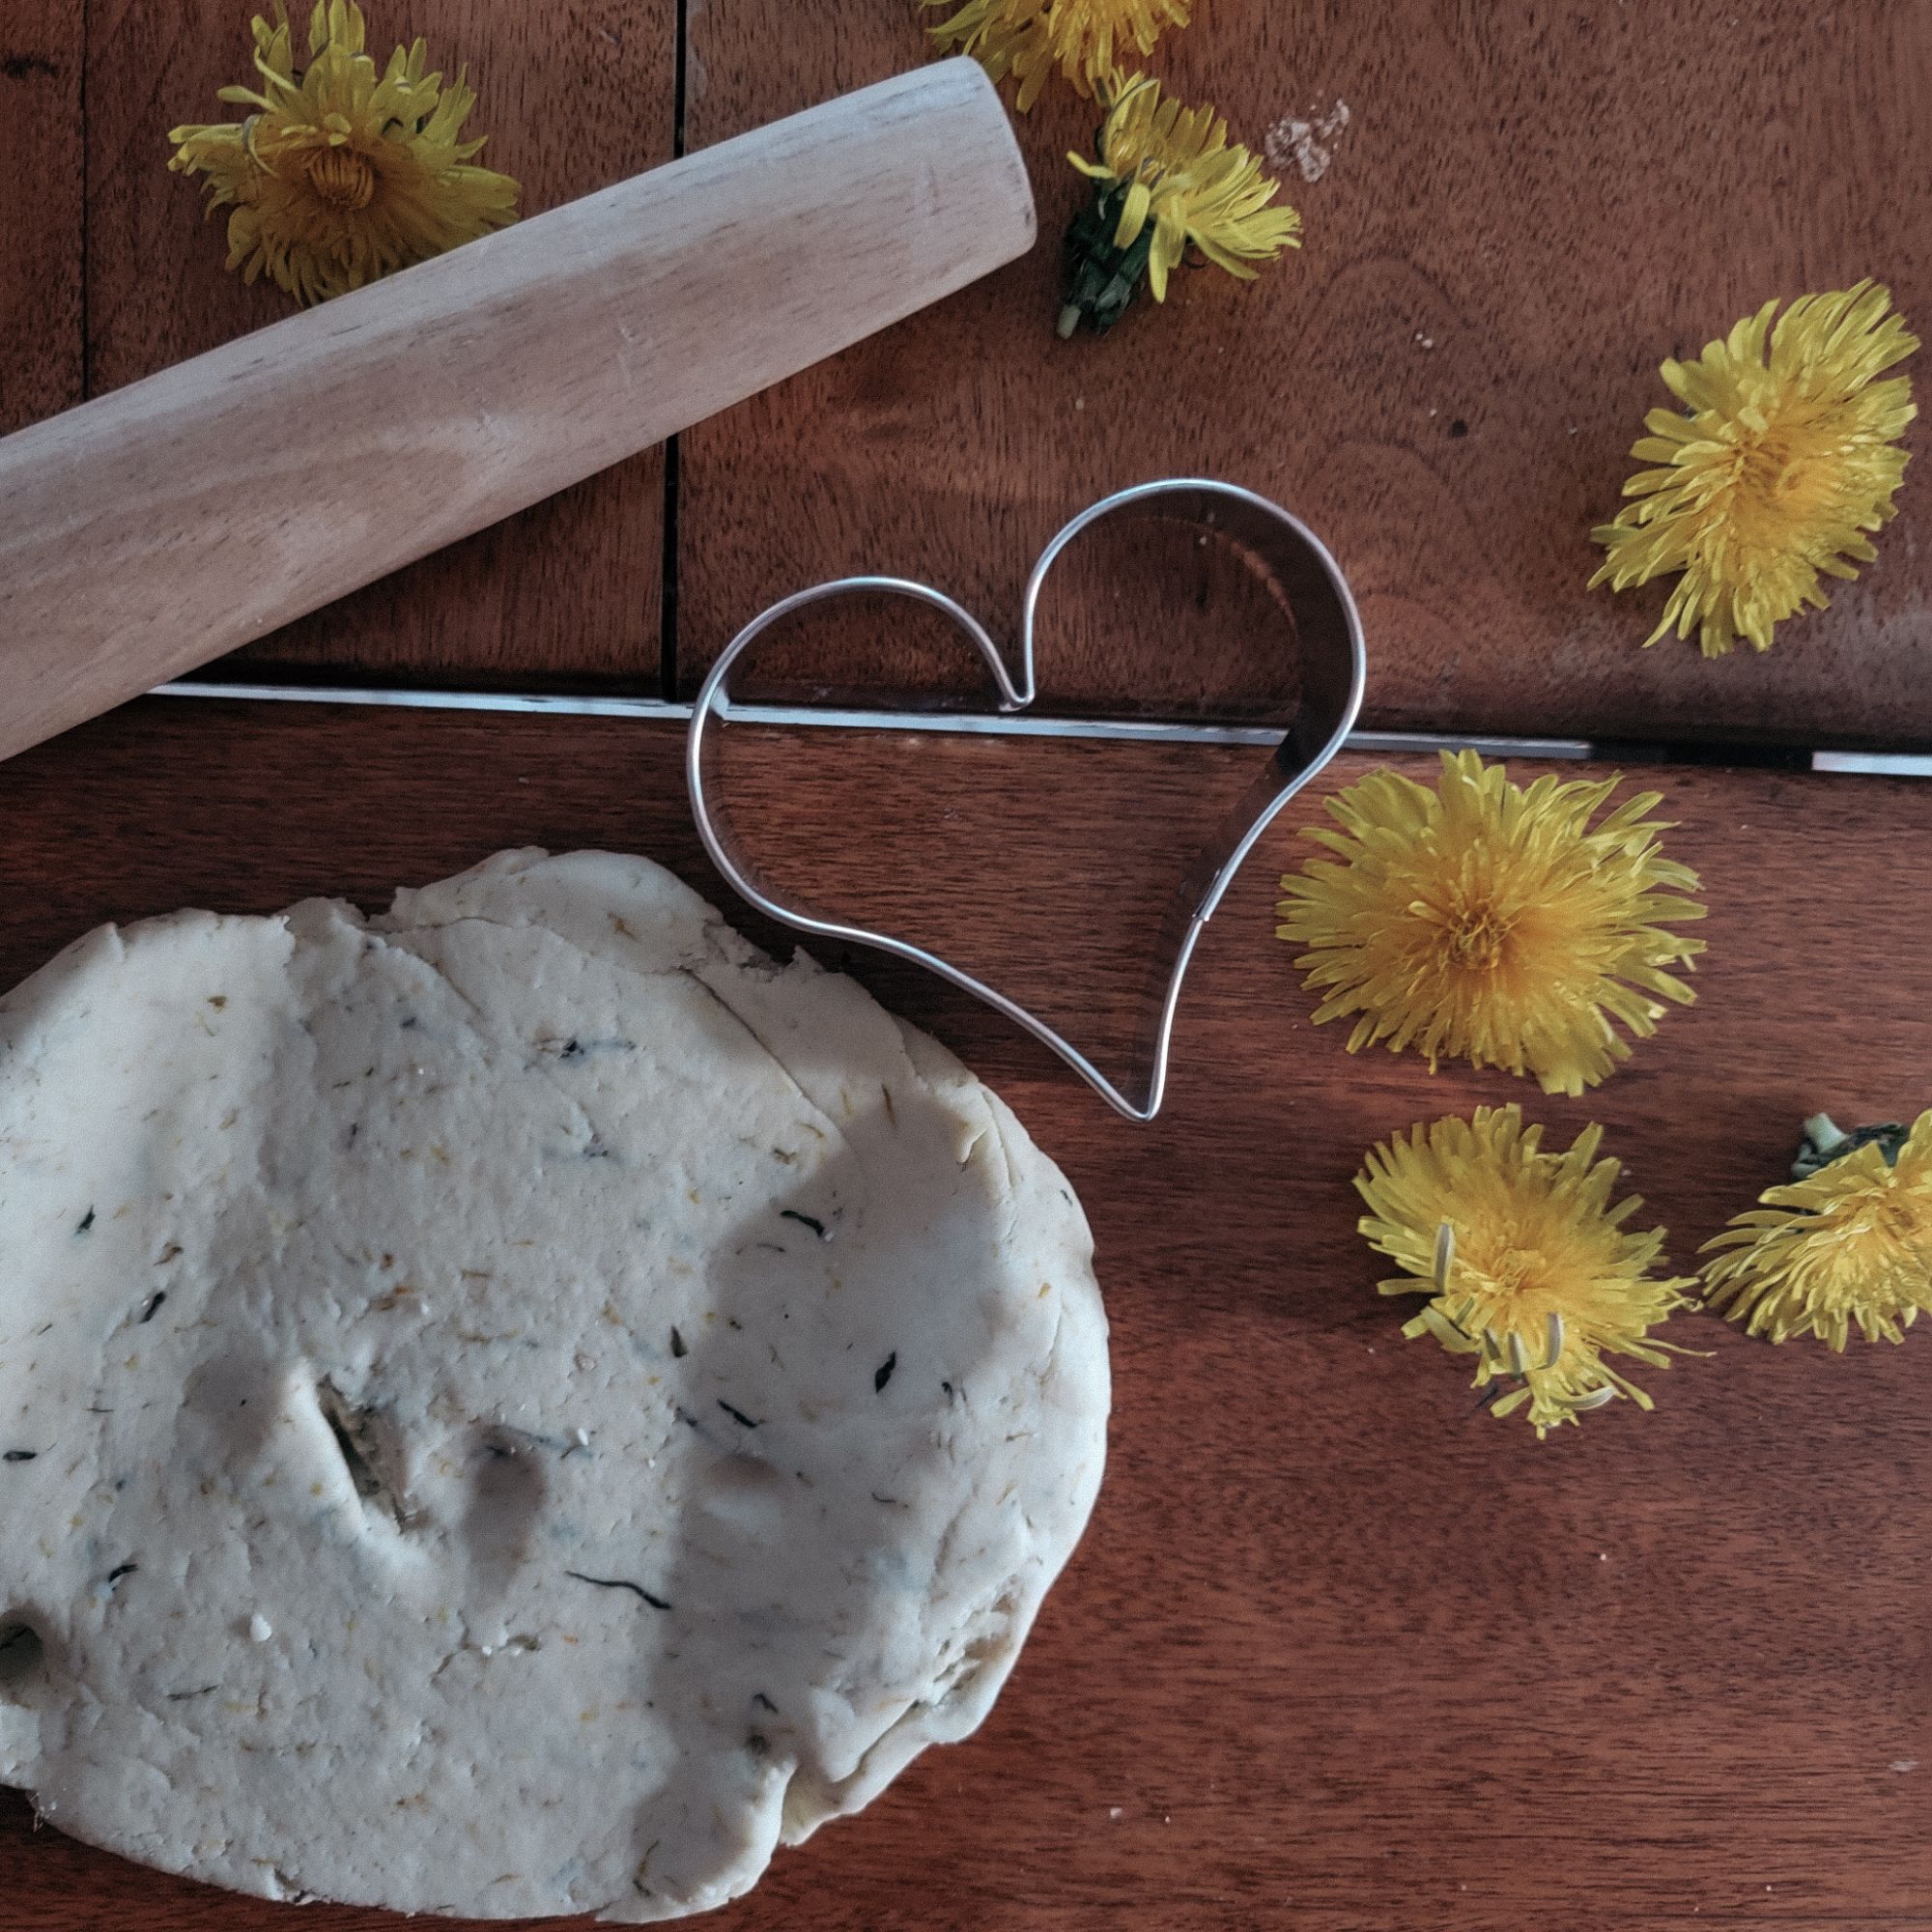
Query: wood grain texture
{"points": [[573, 96], [1531, 206], [167, 522], [1340, 1652], [41, 165]]}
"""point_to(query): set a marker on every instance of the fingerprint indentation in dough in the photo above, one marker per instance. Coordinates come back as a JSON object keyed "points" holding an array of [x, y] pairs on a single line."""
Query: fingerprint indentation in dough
{"points": [[367, 1451]]}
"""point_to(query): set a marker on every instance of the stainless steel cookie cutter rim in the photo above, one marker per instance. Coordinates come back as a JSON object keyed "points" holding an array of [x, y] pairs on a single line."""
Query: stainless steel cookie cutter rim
{"points": [[1333, 664]]}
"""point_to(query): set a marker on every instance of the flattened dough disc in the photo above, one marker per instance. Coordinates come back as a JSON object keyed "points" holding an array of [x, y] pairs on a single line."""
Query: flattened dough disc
{"points": [[515, 1406]]}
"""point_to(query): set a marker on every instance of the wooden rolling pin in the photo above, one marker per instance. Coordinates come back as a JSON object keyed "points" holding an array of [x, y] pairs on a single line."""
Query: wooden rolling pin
{"points": [[153, 528]]}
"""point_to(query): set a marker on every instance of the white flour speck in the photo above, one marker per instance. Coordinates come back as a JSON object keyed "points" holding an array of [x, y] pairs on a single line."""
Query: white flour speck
{"points": [[259, 1628], [1308, 142], [1905, 1764]]}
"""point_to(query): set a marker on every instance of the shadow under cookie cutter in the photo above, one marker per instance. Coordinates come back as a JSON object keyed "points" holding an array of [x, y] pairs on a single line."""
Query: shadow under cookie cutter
{"points": [[1328, 632]]}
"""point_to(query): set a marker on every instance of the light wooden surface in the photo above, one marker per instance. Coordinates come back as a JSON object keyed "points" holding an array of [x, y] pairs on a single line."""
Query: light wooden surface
{"points": [[166, 523], [1340, 1652], [1530, 207], [572, 97]]}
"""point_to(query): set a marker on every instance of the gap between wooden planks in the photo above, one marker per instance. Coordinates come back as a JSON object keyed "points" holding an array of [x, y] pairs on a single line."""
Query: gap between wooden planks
{"points": [[1339, 1652]]}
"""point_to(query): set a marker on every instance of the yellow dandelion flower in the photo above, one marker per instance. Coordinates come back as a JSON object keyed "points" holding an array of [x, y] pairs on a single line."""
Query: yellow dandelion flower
{"points": [[1786, 458], [1166, 179], [1850, 1239], [1527, 1265], [1087, 40], [1489, 923], [343, 173]]}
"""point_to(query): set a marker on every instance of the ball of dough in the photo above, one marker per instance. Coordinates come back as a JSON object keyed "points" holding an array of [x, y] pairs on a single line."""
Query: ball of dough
{"points": [[518, 1405]]}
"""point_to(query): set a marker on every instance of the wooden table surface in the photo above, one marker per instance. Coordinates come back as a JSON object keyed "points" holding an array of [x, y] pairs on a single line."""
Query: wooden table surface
{"points": [[1340, 1652], [1531, 205]]}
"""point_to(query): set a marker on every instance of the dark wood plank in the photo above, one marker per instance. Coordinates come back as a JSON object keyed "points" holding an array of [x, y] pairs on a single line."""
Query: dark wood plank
{"points": [[1531, 206], [572, 97], [1339, 1651], [41, 45]]}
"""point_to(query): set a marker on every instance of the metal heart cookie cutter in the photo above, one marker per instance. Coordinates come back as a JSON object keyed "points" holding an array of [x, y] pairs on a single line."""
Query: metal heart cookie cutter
{"points": [[1312, 590]]}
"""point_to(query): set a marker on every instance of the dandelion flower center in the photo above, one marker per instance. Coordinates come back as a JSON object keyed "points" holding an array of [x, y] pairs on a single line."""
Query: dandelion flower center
{"points": [[1781, 480], [341, 178], [1477, 934]]}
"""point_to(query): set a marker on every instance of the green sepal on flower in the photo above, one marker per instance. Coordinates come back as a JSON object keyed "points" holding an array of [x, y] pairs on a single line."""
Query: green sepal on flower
{"points": [[1825, 1142], [1102, 280]]}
